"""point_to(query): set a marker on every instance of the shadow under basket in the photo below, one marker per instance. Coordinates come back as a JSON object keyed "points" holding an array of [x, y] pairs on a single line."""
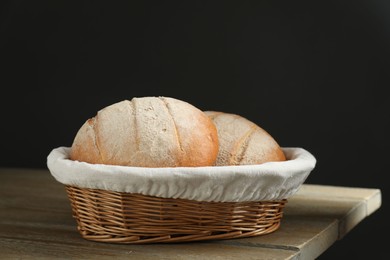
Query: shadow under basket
{"points": [[117, 217]]}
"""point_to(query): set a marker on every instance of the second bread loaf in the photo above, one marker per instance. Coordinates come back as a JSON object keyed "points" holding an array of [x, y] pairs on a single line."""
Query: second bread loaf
{"points": [[243, 142]]}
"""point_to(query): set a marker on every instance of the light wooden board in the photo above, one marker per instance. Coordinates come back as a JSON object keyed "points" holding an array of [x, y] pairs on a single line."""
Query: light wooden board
{"points": [[36, 223]]}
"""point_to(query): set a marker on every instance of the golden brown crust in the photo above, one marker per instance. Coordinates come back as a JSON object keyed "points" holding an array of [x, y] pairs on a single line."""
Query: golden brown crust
{"points": [[242, 142], [84, 147], [148, 132]]}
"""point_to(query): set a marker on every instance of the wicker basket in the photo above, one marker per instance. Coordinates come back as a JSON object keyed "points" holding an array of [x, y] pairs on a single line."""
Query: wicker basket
{"points": [[179, 204], [118, 217]]}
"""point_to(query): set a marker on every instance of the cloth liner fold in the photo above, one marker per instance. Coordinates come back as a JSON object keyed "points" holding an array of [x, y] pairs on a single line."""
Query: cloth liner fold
{"points": [[267, 181]]}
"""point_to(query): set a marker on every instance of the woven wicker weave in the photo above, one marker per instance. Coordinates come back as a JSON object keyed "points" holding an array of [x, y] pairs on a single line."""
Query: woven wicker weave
{"points": [[117, 217]]}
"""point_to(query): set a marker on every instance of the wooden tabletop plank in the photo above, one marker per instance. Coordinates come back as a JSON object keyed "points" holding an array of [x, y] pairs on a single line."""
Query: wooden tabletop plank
{"points": [[347, 205], [317, 216], [36, 222], [306, 235], [29, 249]]}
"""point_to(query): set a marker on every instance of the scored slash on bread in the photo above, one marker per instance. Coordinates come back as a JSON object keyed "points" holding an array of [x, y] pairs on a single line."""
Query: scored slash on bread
{"points": [[148, 132], [242, 142]]}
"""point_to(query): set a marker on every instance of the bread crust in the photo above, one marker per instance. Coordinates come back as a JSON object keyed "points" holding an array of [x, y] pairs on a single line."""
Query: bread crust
{"points": [[242, 142], [148, 132]]}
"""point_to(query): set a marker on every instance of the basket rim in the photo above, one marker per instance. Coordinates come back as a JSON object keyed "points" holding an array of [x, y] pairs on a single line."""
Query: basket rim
{"points": [[267, 181]]}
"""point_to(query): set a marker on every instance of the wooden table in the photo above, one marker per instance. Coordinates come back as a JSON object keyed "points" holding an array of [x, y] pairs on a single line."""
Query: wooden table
{"points": [[36, 223]]}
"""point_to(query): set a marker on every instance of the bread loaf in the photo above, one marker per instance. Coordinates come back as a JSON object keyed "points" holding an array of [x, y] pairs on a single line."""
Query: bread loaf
{"points": [[242, 142], [148, 132]]}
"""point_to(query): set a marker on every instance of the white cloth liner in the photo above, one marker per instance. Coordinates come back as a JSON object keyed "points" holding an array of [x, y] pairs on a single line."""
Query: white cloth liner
{"points": [[267, 181]]}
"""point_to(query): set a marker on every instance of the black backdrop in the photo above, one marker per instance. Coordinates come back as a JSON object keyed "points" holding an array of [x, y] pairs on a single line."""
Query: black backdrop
{"points": [[312, 73]]}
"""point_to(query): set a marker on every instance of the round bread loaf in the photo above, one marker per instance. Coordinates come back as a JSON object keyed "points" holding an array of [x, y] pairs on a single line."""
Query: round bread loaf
{"points": [[148, 132], [242, 142]]}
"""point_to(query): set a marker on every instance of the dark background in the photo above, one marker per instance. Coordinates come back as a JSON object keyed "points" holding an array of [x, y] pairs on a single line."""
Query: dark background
{"points": [[312, 73]]}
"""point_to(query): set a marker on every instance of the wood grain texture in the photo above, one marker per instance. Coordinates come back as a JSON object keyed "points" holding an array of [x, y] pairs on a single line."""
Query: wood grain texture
{"points": [[36, 223]]}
